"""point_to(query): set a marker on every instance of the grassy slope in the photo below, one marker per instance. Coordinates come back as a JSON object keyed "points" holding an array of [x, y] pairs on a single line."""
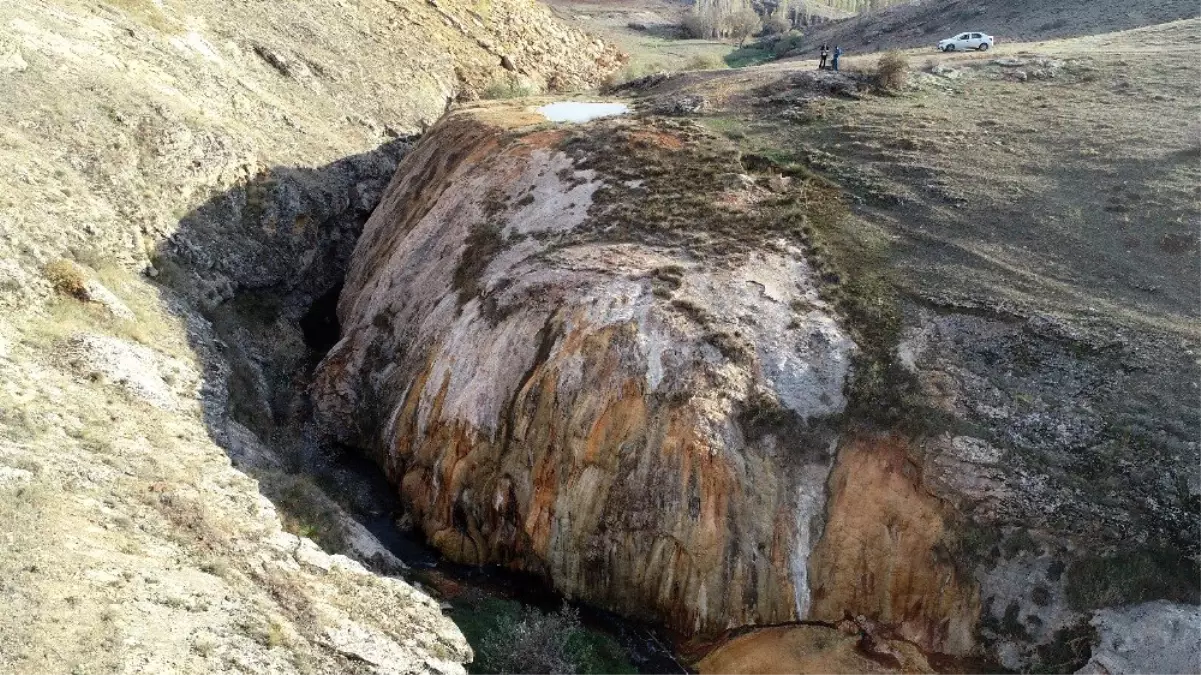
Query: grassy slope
{"points": [[923, 24], [1065, 204], [1071, 194]]}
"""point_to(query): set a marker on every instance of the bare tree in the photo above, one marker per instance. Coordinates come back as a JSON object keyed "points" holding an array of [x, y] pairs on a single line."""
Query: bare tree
{"points": [[742, 24], [720, 18]]}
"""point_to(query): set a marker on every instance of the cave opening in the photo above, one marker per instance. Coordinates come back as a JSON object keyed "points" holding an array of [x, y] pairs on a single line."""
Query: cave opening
{"points": [[320, 325]]}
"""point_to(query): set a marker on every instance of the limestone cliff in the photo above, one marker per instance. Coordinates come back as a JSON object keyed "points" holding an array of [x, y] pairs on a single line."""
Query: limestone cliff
{"points": [[598, 354]]}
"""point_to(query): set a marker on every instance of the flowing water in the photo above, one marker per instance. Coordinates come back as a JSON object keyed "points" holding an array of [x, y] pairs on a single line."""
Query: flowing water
{"points": [[373, 502]]}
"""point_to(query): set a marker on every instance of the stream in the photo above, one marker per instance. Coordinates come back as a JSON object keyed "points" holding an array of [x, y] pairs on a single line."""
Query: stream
{"points": [[374, 504]]}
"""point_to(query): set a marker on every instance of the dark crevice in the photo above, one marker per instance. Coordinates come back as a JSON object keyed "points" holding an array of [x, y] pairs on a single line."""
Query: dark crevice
{"points": [[320, 325]]}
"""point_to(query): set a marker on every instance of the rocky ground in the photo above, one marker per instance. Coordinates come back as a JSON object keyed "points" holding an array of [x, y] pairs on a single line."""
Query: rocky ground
{"points": [[130, 542]]}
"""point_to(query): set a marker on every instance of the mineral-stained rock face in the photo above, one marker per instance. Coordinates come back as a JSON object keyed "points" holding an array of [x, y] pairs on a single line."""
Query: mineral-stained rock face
{"points": [[879, 554], [571, 366]]}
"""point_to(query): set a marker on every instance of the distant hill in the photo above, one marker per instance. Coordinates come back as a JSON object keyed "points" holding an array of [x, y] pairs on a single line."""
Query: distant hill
{"points": [[924, 22]]}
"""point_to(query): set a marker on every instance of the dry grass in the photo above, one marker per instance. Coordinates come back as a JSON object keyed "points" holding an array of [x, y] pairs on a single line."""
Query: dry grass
{"points": [[148, 13], [705, 62], [506, 89], [153, 325]]}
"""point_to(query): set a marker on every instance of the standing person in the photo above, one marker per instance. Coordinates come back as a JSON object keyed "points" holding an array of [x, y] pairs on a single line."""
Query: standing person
{"points": [[825, 55], [837, 53]]}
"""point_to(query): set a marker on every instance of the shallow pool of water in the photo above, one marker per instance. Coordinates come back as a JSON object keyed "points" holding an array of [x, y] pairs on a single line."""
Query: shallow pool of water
{"points": [[580, 111]]}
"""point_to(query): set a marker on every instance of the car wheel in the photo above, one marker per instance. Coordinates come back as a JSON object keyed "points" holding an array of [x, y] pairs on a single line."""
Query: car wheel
{"points": [[949, 48], [984, 47]]}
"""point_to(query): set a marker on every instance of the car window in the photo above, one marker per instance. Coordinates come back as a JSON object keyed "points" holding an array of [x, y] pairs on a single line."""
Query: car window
{"points": [[962, 37], [976, 36]]}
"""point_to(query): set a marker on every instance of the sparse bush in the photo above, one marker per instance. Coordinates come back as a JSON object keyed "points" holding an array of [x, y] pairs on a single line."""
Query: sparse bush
{"points": [[512, 638], [67, 278], [776, 24], [533, 643], [635, 71], [700, 26], [786, 44], [505, 89], [892, 71], [705, 62]]}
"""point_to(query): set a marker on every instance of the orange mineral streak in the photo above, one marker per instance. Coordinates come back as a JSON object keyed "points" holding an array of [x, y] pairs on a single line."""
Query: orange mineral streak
{"points": [[618, 501], [878, 556], [807, 649]]}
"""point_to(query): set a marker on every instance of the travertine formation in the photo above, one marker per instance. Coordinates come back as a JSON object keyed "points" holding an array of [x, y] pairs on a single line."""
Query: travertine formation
{"points": [[554, 392]]}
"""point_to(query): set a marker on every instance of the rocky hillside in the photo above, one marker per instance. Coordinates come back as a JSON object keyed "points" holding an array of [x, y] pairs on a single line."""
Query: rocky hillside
{"points": [[908, 25], [122, 117], [183, 182]]}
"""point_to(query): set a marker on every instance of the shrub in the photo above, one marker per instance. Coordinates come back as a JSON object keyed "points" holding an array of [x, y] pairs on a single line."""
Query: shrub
{"points": [[705, 62], [502, 89], [533, 643], [511, 638], [67, 278], [892, 71], [786, 44], [700, 26]]}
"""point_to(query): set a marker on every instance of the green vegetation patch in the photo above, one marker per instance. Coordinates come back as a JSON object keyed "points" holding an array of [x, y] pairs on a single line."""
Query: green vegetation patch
{"points": [[509, 637], [483, 243], [750, 55], [1132, 577]]}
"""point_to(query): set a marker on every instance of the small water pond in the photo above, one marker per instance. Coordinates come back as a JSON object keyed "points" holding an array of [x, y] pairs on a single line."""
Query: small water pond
{"points": [[581, 111]]}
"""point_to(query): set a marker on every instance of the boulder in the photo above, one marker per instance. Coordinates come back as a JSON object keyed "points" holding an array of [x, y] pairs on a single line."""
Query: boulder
{"points": [[581, 352]]}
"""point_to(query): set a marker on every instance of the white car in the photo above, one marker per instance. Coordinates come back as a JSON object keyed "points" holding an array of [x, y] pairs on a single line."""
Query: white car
{"points": [[965, 41]]}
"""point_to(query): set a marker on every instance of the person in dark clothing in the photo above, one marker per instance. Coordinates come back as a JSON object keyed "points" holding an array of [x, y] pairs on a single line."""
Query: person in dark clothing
{"points": [[825, 55], [837, 53]]}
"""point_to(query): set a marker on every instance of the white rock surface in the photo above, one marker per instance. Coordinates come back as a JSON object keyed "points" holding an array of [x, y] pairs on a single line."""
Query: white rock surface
{"points": [[1154, 637]]}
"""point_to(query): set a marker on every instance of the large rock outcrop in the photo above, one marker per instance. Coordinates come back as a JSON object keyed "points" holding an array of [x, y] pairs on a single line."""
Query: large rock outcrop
{"points": [[599, 354]]}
